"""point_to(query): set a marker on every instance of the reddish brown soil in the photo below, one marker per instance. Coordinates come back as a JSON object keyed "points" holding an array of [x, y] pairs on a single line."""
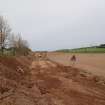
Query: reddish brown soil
{"points": [[45, 82], [90, 62]]}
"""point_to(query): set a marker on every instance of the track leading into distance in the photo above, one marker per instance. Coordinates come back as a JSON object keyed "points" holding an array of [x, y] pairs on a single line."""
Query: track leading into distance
{"points": [[64, 85]]}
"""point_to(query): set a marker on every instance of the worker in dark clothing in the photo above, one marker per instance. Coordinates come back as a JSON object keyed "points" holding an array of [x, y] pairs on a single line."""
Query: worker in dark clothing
{"points": [[73, 60]]}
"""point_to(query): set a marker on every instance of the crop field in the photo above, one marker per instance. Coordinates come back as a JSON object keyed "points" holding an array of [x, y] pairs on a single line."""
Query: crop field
{"points": [[85, 50]]}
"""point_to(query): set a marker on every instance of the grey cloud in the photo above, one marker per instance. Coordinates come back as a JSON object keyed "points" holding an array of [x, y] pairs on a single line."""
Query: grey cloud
{"points": [[55, 24]]}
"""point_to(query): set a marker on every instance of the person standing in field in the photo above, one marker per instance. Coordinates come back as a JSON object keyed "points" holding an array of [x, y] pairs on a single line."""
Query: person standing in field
{"points": [[73, 60]]}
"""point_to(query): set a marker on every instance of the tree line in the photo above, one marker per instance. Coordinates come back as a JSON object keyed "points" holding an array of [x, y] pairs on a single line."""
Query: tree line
{"points": [[10, 41]]}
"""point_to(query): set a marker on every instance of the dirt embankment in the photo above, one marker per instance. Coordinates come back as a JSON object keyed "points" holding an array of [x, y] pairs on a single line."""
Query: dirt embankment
{"points": [[43, 82], [13, 71]]}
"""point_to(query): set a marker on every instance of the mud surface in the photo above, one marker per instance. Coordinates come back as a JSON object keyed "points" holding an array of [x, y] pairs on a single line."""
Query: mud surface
{"points": [[45, 82]]}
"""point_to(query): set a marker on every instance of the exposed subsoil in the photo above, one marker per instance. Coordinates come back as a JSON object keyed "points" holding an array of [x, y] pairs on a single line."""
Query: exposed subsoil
{"points": [[24, 81]]}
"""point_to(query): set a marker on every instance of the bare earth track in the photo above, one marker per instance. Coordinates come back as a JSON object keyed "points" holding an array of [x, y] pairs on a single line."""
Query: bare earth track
{"points": [[50, 83]]}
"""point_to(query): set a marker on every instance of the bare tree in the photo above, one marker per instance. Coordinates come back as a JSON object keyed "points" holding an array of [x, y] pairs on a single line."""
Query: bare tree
{"points": [[4, 33], [22, 43], [21, 46]]}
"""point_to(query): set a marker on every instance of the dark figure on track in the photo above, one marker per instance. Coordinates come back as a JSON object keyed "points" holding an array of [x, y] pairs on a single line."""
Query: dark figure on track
{"points": [[73, 60]]}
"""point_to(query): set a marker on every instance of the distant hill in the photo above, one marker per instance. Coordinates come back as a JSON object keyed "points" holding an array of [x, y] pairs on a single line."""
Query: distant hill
{"points": [[94, 49]]}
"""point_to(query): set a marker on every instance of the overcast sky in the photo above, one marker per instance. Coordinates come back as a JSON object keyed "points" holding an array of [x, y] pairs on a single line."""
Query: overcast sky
{"points": [[57, 24]]}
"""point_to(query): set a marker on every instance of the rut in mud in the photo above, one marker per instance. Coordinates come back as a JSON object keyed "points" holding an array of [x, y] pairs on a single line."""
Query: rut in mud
{"points": [[50, 83]]}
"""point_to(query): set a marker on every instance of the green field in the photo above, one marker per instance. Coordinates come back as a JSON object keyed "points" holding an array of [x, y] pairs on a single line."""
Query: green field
{"points": [[84, 50]]}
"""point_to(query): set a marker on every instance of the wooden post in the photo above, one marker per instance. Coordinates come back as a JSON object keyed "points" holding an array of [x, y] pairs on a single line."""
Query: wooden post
{"points": [[1, 42]]}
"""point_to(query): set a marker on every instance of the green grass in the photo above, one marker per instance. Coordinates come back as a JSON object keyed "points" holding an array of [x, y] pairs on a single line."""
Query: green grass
{"points": [[84, 50], [6, 53]]}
